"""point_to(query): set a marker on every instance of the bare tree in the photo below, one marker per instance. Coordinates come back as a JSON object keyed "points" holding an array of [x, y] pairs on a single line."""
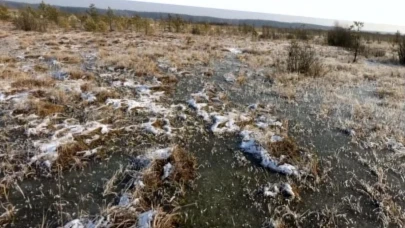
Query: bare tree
{"points": [[356, 28]]}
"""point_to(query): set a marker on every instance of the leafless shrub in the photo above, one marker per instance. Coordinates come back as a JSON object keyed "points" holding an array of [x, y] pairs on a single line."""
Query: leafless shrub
{"points": [[340, 37], [400, 40], [302, 59]]}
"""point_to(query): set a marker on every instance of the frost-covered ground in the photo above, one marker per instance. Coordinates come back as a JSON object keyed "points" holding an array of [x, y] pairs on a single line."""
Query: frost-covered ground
{"points": [[119, 129]]}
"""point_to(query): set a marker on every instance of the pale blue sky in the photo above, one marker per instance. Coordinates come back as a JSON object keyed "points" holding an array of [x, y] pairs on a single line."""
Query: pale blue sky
{"points": [[381, 12], [388, 12], [385, 16]]}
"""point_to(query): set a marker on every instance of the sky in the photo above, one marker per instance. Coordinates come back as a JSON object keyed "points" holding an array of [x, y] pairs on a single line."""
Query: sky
{"points": [[384, 16], [391, 12], [387, 12]]}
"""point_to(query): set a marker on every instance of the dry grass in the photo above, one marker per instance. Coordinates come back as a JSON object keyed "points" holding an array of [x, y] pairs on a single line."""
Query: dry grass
{"points": [[32, 83], [10, 72], [44, 109], [287, 91], [390, 93], [67, 58], [60, 97], [165, 220], [41, 68], [8, 215], [86, 87], [79, 74], [185, 166], [103, 95], [288, 148], [7, 59], [241, 79], [152, 176], [142, 64], [68, 154]]}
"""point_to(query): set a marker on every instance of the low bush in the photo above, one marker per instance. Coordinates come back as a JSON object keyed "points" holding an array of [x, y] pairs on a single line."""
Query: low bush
{"points": [[302, 59], [196, 30], [29, 20], [340, 37], [4, 14]]}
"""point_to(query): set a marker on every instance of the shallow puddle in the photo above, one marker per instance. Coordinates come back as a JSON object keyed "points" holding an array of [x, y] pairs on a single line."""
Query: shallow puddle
{"points": [[224, 191], [54, 201]]}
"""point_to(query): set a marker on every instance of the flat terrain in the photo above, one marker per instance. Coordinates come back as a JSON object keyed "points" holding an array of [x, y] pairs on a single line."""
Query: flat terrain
{"points": [[171, 130]]}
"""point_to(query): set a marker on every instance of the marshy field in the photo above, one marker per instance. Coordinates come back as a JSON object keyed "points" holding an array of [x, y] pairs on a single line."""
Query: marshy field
{"points": [[169, 129]]}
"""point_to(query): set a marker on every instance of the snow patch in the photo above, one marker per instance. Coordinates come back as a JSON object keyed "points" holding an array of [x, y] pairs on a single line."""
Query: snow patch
{"points": [[74, 224], [160, 154], [89, 97], [234, 50], [167, 170], [145, 219]]}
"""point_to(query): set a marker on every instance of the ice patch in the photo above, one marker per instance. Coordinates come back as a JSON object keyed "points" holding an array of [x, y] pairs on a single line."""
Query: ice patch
{"points": [[167, 170], [234, 50], [252, 147], [17, 98], [145, 219], [64, 134], [198, 107], [125, 200], [89, 97], [146, 102], [150, 128], [276, 138], [201, 94], [228, 123], [38, 127], [60, 75], [271, 191], [160, 154], [229, 77], [89, 153], [74, 224], [287, 190], [274, 190]]}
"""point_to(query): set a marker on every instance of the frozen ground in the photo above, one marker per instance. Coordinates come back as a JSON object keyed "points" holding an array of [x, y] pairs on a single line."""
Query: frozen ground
{"points": [[127, 130]]}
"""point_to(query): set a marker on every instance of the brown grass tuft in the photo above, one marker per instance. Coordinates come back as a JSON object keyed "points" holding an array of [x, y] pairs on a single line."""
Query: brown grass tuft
{"points": [[152, 176], [170, 79], [41, 68], [78, 74], [64, 57], [44, 109], [103, 95], [7, 59], [165, 220], [86, 87], [158, 123], [241, 79], [68, 154], [30, 83], [12, 73], [384, 92], [288, 148], [185, 165]]}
